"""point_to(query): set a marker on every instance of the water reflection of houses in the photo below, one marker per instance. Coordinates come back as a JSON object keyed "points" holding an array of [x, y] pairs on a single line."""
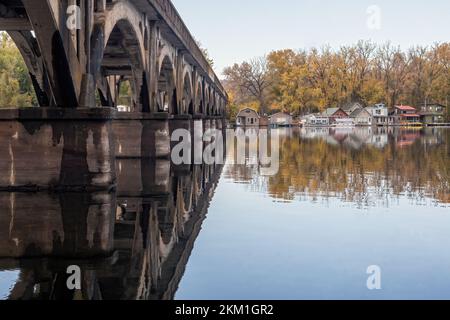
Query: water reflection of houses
{"points": [[379, 138], [433, 136], [142, 235], [314, 132], [364, 167], [359, 137], [406, 138], [353, 137]]}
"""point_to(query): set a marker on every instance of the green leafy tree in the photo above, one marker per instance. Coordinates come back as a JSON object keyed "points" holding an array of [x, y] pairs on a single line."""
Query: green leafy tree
{"points": [[15, 85]]}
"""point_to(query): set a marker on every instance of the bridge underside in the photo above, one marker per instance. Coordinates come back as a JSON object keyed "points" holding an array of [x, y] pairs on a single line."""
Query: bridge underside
{"points": [[123, 198], [79, 52]]}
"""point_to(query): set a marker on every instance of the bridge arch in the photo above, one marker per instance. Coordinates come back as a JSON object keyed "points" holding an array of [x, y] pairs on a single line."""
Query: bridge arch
{"points": [[118, 55], [167, 93], [118, 41], [124, 11], [219, 105], [217, 110], [200, 100], [222, 107], [212, 104], [187, 99], [215, 107], [28, 47], [207, 100]]}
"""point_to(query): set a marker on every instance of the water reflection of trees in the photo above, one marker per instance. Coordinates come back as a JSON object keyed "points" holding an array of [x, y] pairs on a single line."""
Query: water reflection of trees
{"points": [[365, 166]]}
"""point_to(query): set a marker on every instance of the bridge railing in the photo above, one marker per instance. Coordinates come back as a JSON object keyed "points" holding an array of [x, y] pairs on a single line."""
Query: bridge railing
{"points": [[170, 14]]}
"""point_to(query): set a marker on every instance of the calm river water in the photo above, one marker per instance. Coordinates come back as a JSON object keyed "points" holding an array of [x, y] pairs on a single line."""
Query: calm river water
{"points": [[343, 200]]}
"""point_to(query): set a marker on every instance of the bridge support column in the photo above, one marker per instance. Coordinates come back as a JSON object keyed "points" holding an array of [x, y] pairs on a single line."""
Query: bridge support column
{"points": [[221, 123], [197, 132], [213, 125], [142, 135], [218, 124], [181, 122], [206, 124], [56, 149]]}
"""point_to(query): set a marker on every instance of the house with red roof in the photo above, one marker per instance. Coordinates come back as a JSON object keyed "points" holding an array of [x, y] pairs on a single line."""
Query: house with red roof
{"points": [[405, 115]]}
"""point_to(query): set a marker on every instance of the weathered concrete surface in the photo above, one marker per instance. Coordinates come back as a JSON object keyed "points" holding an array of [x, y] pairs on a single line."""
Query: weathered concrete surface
{"points": [[206, 124], [221, 124], [180, 122], [142, 177], [139, 135], [197, 140], [74, 225], [43, 148], [142, 41], [213, 124]]}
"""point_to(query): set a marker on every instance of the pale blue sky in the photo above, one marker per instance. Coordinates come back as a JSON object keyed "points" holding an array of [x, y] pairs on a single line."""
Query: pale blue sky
{"points": [[236, 30]]}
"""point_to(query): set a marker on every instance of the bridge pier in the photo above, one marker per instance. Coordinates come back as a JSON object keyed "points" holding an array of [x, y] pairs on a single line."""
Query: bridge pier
{"points": [[206, 124], [213, 125], [141, 135], [180, 122], [64, 145], [57, 149], [197, 131], [185, 123], [221, 123], [76, 149]]}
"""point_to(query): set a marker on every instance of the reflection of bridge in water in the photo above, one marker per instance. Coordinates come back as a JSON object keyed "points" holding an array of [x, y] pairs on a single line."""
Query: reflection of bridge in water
{"points": [[130, 244], [117, 194]]}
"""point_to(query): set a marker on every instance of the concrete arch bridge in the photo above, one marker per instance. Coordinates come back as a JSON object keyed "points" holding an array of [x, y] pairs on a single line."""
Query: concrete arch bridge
{"points": [[79, 54]]}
